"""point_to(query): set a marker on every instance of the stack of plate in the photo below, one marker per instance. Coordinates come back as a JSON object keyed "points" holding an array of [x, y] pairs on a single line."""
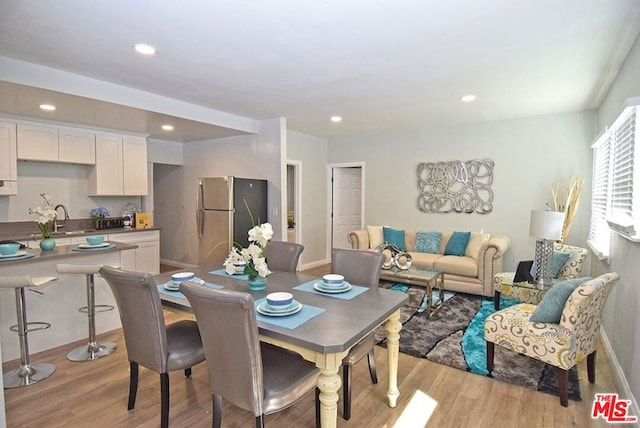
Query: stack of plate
{"points": [[279, 305], [16, 256], [332, 283]]}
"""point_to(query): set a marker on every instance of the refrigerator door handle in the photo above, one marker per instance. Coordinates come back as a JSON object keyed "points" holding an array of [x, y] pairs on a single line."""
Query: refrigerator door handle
{"points": [[199, 209]]}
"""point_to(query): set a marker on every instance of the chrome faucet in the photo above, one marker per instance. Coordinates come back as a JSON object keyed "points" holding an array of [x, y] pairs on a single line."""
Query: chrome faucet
{"points": [[56, 225]]}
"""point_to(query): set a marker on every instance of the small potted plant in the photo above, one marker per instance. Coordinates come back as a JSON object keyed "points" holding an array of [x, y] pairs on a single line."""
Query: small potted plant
{"points": [[98, 215], [256, 267], [45, 214]]}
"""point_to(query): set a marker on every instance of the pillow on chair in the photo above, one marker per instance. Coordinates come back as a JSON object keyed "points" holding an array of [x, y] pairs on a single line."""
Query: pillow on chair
{"points": [[552, 304], [559, 259]]}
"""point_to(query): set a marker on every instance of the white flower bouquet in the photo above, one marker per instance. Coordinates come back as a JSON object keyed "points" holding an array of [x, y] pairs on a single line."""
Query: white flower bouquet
{"points": [[253, 255]]}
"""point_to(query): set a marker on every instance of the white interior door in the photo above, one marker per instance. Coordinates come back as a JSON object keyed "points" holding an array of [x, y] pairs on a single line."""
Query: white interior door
{"points": [[346, 204]]}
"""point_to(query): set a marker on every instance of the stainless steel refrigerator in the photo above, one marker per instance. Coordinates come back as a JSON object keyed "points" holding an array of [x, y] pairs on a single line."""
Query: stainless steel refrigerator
{"points": [[227, 207]]}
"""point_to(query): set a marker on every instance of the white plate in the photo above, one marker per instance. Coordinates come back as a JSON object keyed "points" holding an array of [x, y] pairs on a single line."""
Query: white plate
{"points": [[169, 285], [104, 244], [264, 309], [332, 290], [16, 254]]}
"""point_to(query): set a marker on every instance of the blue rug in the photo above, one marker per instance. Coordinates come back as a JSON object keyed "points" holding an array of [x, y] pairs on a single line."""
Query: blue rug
{"points": [[454, 336]]}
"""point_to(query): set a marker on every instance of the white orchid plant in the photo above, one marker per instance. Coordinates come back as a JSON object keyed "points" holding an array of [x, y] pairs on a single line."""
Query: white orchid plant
{"points": [[253, 255], [44, 215]]}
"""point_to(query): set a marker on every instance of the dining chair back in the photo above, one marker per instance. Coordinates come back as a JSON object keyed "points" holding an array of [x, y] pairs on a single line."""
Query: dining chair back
{"points": [[358, 267], [283, 256], [254, 376], [148, 340]]}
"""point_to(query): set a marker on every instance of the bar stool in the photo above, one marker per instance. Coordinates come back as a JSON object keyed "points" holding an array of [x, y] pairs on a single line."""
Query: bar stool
{"points": [[93, 350], [27, 374]]}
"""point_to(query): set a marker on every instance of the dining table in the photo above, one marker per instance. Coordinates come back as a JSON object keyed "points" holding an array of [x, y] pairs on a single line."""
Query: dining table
{"points": [[322, 330]]}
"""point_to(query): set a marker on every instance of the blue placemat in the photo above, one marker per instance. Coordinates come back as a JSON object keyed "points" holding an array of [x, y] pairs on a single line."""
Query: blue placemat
{"points": [[222, 272], [347, 295], [177, 293], [20, 257], [290, 321]]}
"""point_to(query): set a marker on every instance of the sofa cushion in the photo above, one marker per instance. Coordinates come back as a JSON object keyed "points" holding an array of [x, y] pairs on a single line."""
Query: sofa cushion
{"points": [[457, 265], [457, 244], [475, 243], [376, 237], [428, 242], [394, 236], [423, 259], [552, 304]]}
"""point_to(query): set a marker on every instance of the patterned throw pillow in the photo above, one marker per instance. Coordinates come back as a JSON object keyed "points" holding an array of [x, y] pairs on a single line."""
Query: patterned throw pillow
{"points": [[457, 244], [552, 304], [394, 236], [428, 242]]}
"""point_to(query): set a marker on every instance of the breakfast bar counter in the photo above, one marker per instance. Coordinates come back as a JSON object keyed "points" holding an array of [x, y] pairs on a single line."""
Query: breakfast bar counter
{"points": [[58, 302]]}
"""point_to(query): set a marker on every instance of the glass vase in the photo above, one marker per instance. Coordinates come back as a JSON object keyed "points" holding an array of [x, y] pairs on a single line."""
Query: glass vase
{"points": [[259, 283], [47, 244]]}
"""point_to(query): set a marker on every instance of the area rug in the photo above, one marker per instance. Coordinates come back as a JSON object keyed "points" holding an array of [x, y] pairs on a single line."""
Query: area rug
{"points": [[454, 336]]}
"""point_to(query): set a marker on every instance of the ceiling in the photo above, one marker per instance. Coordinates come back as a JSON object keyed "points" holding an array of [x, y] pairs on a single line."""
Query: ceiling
{"points": [[380, 65]]}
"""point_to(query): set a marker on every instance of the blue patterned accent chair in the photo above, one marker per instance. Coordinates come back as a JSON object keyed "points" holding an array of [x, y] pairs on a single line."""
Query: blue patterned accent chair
{"points": [[561, 345]]}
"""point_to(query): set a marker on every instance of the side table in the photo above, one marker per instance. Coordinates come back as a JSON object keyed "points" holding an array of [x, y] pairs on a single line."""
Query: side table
{"points": [[523, 291]]}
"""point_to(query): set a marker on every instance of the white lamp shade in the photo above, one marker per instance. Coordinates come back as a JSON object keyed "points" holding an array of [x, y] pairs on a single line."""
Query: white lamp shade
{"points": [[546, 224]]}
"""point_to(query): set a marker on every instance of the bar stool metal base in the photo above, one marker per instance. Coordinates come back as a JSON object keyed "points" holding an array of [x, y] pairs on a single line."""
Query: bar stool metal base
{"points": [[27, 375], [92, 351]]}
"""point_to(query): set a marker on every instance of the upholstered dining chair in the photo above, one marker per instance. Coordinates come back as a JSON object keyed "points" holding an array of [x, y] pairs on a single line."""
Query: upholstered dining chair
{"points": [[361, 268], [283, 256], [571, 268], [255, 376], [149, 342], [561, 344]]}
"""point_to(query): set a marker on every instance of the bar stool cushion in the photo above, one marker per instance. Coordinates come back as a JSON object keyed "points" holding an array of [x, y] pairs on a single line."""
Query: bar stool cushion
{"points": [[78, 269], [25, 281]]}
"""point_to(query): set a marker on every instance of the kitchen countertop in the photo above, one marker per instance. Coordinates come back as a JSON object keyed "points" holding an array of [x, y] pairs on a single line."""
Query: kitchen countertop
{"points": [[64, 251], [9, 233]]}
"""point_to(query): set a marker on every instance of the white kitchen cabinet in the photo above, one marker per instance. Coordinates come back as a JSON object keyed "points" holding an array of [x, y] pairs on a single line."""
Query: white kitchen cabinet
{"points": [[37, 142], [121, 166], [145, 258], [8, 159], [52, 144], [76, 146]]}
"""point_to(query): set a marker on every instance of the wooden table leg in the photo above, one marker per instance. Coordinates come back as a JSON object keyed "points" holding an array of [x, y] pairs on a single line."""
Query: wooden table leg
{"points": [[393, 327], [329, 383]]}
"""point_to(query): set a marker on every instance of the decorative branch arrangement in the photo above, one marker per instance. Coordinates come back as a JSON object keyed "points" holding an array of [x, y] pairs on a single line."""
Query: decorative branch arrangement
{"points": [[566, 198], [456, 186]]}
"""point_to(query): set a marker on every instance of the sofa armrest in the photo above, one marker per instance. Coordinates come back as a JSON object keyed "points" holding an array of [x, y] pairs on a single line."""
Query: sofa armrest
{"points": [[359, 239], [490, 261]]}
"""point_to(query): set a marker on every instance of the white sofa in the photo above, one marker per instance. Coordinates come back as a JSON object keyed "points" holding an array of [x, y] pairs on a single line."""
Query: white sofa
{"points": [[472, 273]]}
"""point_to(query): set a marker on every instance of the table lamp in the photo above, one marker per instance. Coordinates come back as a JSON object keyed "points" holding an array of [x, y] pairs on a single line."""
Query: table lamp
{"points": [[546, 227]]}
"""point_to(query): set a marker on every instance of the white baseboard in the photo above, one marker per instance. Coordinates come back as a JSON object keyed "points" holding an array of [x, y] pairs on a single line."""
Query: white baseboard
{"points": [[176, 263], [620, 378], [313, 264]]}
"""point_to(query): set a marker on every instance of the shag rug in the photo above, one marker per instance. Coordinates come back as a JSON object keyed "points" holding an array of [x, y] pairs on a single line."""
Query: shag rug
{"points": [[454, 336]]}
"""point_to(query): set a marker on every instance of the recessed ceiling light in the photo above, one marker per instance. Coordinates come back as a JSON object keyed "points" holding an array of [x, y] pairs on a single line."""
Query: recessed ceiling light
{"points": [[336, 119], [468, 98], [167, 127], [47, 107], [145, 49]]}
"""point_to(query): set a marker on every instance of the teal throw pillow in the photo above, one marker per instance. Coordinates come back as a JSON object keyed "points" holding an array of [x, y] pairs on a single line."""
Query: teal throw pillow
{"points": [[559, 259], [457, 244], [552, 304], [428, 242], [394, 236]]}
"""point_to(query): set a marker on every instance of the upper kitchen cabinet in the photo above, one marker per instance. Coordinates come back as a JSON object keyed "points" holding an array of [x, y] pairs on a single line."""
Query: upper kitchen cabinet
{"points": [[8, 159], [52, 144], [121, 166]]}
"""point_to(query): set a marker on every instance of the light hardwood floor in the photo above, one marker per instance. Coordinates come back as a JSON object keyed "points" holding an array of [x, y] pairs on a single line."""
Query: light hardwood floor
{"points": [[95, 394]]}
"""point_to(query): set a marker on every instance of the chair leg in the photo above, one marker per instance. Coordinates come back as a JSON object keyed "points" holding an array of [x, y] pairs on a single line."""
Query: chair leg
{"points": [[217, 410], [260, 421], [371, 357], [563, 382], [133, 384], [317, 407], [591, 367], [187, 372], [164, 397], [490, 351], [346, 394]]}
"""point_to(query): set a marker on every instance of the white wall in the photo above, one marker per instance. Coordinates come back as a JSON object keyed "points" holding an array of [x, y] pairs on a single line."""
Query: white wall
{"points": [[621, 317], [312, 154], [530, 155]]}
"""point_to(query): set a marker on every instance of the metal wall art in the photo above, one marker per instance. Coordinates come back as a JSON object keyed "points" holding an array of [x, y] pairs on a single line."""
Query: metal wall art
{"points": [[456, 186]]}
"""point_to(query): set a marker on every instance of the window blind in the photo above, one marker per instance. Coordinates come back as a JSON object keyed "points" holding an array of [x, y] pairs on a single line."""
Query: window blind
{"points": [[599, 229]]}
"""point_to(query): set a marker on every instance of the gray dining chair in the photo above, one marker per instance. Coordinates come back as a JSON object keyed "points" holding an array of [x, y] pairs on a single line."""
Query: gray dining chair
{"points": [[360, 268], [254, 376], [283, 256], [149, 342]]}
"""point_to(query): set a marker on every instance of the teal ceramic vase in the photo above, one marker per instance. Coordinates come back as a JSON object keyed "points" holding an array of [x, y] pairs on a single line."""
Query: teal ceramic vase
{"points": [[47, 244], [258, 284]]}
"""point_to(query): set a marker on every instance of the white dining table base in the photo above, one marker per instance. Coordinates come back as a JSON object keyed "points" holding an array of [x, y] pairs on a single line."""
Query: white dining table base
{"points": [[329, 381]]}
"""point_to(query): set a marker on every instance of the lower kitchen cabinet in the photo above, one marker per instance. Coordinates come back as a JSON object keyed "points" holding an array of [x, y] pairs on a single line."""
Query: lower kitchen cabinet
{"points": [[146, 258]]}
